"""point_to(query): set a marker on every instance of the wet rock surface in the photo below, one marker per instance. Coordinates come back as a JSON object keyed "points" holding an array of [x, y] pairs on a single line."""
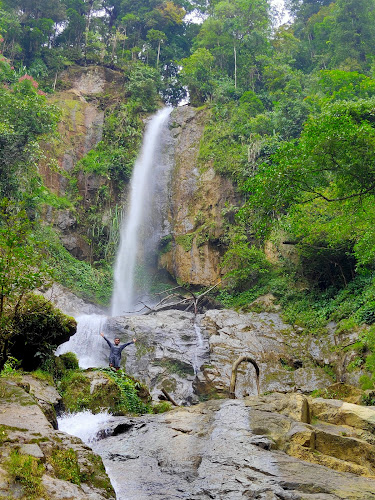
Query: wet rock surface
{"points": [[192, 356], [229, 449], [68, 302], [167, 354]]}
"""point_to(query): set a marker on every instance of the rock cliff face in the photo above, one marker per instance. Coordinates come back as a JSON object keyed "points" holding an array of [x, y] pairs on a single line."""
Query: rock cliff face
{"points": [[198, 197], [192, 356], [80, 130]]}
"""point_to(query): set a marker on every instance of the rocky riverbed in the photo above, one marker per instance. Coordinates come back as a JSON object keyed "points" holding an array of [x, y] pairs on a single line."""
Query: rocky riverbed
{"points": [[260, 448]]}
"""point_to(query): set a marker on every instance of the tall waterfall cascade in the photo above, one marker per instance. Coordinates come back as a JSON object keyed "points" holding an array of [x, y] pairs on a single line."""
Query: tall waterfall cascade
{"points": [[143, 220], [143, 226]]}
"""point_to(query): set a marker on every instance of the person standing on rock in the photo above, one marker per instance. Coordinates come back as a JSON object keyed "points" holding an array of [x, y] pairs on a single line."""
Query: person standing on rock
{"points": [[116, 351]]}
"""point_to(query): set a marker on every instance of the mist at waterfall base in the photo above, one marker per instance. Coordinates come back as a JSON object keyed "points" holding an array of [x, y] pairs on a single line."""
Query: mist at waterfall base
{"points": [[84, 425]]}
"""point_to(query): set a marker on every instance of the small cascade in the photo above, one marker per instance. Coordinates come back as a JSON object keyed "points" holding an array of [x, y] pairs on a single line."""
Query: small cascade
{"points": [[87, 343], [83, 425], [199, 352], [137, 237]]}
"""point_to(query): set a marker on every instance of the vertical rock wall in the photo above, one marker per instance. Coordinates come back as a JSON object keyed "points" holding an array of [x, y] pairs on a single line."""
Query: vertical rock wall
{"points": [[80, 130], [198, 197]]}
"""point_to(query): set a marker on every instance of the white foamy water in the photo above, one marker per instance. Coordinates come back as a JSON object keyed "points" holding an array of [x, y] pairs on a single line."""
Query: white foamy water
{"points": [[84, 425], [140, 202], [86, 343]]}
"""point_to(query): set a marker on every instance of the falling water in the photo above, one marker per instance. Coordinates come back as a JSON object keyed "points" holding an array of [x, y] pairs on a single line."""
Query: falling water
{"points": [[199, 351], [84, 424], [140, 202], [86, 343], [142, 225]]}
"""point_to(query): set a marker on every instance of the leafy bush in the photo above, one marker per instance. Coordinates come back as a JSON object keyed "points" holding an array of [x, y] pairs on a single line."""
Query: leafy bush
{"points": [[34, 331], [131, 390], [122, 395], [59, 366], [114, 155], [162, 407], [10, 367], [80, 277], [143, 86], [246, 264]]}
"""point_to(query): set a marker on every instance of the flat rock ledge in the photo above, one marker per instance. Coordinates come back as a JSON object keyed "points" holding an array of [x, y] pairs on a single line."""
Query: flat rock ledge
{"points": [[26, 430], [278, 446]]}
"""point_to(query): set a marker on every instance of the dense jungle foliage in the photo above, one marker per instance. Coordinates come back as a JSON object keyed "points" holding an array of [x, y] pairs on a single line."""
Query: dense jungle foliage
{"points": [[292, 124]]}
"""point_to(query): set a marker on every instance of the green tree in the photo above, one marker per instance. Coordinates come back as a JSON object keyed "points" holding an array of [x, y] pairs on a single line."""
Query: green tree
{"points": [[143, 87], [353, 34], [25, 116], [197, 74], [333, 161], [236, 33], [22, 268]]}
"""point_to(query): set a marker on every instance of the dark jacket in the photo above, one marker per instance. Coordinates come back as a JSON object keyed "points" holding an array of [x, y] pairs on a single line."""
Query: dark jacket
{"points": [[115, 352]]}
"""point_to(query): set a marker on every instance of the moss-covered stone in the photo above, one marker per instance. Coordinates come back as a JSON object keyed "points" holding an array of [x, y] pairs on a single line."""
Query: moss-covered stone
{"points": [[90, 391]]}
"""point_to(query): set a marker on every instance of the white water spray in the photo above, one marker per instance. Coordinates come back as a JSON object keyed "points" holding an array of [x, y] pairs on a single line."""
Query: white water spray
{"points": [[199, 351], [84, 425], [86, 343], [139, 202]]}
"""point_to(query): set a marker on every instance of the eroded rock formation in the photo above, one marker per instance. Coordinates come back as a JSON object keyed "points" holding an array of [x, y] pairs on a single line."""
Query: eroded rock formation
{"points": [[198, 197], [169, 353]]}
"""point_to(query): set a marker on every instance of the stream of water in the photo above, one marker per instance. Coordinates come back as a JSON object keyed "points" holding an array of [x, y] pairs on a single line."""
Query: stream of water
{"points": [[140, 233], [138, 216]]}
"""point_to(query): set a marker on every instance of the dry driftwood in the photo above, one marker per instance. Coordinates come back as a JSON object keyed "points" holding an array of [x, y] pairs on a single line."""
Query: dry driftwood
{"points": [[174, 300], [169, 398]]}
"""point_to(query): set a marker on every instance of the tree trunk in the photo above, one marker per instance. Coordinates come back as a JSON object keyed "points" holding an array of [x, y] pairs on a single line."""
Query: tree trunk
{"points": [[158, 56]]}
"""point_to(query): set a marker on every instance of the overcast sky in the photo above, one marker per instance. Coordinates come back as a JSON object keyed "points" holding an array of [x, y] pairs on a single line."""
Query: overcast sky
{"points": [[279, 4]]}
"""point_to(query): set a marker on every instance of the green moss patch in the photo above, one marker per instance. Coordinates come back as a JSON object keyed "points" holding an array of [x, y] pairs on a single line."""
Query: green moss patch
{"points": [[117, 392], [26, 471]]}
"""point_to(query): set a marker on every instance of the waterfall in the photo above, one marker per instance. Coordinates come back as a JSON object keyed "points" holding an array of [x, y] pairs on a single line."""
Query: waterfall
{"points": [[140, 235], [137, 219], [199, 349], [86, 343], [84, 425]]}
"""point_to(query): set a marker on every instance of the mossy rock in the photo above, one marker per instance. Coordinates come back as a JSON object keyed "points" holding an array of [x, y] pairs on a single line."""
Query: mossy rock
{"points": [[344, 392], [98, 390], [93, 391]]}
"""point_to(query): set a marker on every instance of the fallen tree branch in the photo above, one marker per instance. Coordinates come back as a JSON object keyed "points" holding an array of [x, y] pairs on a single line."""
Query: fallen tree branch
{"points": [[169, 398]]}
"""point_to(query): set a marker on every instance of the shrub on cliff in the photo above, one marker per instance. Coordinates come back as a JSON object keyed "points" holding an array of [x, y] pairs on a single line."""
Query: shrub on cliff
{"points": [[102, 389], [34, 330]]}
